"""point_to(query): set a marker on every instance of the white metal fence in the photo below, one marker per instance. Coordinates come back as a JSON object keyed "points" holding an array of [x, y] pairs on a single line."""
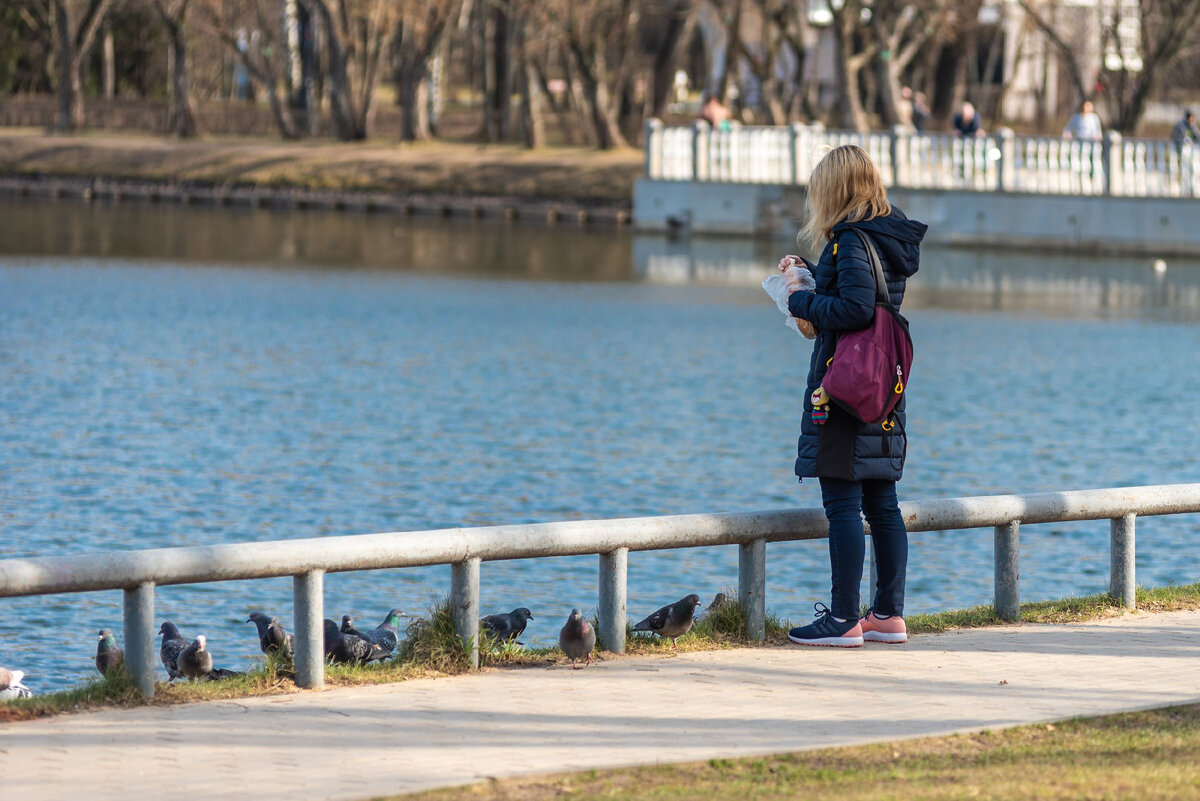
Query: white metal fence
{"points": [[1004, 161]]}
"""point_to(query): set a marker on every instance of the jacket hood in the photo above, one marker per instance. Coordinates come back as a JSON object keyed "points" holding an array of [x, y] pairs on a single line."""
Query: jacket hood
{"points": [[895, 236]]}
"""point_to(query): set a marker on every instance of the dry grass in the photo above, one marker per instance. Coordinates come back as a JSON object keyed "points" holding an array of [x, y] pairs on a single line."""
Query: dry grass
{"points": [[570, 174], [1140, 755]]}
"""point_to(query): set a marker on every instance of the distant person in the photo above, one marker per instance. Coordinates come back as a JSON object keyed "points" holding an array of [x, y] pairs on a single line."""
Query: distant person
{"points": [[966, 122], [713, 112], [920, 112], [1185, 131], [1084, 124]]}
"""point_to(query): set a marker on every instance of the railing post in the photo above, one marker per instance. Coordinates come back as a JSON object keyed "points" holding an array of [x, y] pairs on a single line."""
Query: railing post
{"points": [[700, 155], [795, 132], [654, 146], [139, 637], [1008, 571], [1121, 580], [614, 567], [1006, 169], [308, 618], [464, 606], [752, 587], [898, 142], [1112, 163]]}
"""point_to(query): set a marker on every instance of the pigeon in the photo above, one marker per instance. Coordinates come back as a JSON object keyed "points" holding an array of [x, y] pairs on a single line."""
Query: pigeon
{"points": [[718, 602], [272, 638], [673, 620], [11, 686], [507, 626], [349, 648], [194, 662], [223, 673], [577, 639], [385, 634], [109, 655], [172, 646]]}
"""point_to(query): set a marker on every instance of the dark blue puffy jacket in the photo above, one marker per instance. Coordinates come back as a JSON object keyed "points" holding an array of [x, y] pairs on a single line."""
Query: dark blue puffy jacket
{"points": [[845, 301]]}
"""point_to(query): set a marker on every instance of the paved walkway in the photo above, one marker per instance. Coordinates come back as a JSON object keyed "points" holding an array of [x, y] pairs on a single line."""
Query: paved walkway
{"points": [[356, 743]]}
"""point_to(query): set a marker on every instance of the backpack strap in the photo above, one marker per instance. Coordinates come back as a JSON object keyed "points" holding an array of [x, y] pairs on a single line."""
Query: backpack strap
{"points": [[881, 291]]}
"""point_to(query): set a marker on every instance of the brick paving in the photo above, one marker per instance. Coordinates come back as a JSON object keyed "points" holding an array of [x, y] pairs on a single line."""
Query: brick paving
{"points": [[356, 743]]}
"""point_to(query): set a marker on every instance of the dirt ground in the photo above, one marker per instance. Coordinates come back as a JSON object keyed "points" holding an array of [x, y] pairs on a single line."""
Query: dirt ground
{"points": [[570, 174]]}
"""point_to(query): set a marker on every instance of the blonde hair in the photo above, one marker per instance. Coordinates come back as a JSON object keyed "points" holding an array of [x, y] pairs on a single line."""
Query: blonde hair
{"points": [[845, 185]]}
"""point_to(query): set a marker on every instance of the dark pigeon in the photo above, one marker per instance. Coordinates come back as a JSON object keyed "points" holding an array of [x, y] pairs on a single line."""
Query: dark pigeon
{"points": [[11, 686], [195, 663], [673, 620], [173, 644], [718, 602], [349, 648], [223, 673], [507, 626], [109, 655], [272, 638], [577, 639]]}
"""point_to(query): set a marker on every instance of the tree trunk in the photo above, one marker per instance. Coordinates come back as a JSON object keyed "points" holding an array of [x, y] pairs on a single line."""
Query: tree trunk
{"points": [[533, 126], [596, 97], [65, 44], [185, 117], [110, 63], [679, 28]]}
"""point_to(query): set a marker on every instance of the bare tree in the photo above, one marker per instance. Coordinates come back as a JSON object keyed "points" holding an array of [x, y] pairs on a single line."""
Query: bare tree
{"points": [[599, 40], [354, 32], [173, 14], [420, 30], [901, 30], [1167, 28], [851, 54], [76, 23], [251, 31]]}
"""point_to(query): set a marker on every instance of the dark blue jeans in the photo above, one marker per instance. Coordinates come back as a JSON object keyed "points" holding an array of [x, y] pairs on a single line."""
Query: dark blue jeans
{"points": [[845, 504]]}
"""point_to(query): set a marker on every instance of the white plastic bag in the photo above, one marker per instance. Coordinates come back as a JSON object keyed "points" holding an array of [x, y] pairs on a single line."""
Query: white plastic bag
{"points": [[776, 286]]}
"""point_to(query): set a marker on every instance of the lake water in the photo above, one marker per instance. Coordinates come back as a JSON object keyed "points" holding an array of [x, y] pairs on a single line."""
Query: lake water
{"points": [[175, 376]]}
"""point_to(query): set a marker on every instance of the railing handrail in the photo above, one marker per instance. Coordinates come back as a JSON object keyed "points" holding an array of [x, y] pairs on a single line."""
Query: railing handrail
{"points": [[111, 570], [1039, 163], [137, 573]]}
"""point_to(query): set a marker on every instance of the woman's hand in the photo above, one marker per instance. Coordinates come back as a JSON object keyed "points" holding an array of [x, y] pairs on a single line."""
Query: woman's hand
{"points": [[792, 261]]}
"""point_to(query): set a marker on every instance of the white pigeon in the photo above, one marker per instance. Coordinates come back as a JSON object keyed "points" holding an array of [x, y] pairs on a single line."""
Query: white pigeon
{"points": [[11, 686]]}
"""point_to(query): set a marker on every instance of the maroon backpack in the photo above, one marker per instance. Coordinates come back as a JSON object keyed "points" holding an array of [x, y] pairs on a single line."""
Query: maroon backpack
{"points": [[870, 367]]}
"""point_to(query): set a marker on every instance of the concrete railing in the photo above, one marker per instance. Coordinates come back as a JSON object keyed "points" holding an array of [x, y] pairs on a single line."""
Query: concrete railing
{"points": [[308, 560], [1002, 162]]}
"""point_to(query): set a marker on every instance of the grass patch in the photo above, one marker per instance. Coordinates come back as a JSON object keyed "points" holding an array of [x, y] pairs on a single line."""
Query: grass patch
{"points": [[722, 627], [434, 649], [1068, 610], [1138, 755]]}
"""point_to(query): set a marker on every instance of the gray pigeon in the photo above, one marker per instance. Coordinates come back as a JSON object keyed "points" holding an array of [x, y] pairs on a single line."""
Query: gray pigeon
{"points": [[507, 626], [109, 655], [718, 602], [11, 686], [272, 638], [673, 620], [173, 644], [349, 648], [387, 634], [194, 662], [577, 638]]}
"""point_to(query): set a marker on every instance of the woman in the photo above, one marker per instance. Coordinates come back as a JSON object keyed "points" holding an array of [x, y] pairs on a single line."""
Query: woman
{"points": [[858, 464]]}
